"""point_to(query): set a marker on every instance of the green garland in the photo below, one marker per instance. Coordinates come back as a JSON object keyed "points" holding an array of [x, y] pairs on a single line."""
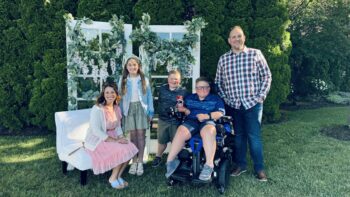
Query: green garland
{"points": [[92, 57], [174, 54]]}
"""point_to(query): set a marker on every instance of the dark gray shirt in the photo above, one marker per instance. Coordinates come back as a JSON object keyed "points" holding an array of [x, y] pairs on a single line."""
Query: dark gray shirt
{"points": [[167, 99]]}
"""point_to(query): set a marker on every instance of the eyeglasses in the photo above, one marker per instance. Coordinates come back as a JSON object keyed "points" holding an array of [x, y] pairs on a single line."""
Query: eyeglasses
{"points": [[202, 87]]}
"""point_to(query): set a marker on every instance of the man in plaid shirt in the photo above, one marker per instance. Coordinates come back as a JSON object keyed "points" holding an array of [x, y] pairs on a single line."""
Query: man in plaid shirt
{"points": [[244, 78]]}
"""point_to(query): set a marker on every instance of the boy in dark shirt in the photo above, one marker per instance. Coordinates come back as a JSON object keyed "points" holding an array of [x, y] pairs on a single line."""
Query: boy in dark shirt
{"points": [[169, 94]]}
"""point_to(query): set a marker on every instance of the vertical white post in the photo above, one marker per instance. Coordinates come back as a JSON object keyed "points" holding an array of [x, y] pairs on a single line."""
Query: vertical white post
{"points": [[196, 67]]}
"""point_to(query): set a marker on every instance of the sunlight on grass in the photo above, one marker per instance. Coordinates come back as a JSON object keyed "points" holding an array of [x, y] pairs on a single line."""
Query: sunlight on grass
{"points": [[18, 158], [32, 143], [26, 144], [21, 149]]}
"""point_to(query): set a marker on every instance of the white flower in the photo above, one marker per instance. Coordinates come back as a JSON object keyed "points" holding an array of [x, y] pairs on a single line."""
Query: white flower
{"points": [[113, 66], [119, 50], [103, 74], [84, 70], [95, 73]]}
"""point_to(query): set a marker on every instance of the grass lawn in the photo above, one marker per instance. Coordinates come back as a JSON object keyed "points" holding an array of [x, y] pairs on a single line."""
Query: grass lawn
{"points": [[300, 161]]}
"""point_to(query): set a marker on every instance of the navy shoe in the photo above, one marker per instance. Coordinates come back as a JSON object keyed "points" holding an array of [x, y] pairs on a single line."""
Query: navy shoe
{"points": [[156, 162]]}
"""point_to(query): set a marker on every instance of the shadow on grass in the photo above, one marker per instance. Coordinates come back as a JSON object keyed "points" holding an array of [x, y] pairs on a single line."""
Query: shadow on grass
{"points": [[339, 132]]}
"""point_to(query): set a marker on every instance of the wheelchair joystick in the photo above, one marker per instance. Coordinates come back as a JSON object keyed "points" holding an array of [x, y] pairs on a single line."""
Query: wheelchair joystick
{"points": [[174, 112], [179, 101]]}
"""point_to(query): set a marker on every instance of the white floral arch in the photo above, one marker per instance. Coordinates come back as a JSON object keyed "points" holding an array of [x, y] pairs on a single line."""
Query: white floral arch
{"points": [[97, 50]]}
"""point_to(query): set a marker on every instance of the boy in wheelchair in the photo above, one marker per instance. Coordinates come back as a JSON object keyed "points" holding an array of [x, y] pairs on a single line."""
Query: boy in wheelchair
{"points": [[201, 111]]}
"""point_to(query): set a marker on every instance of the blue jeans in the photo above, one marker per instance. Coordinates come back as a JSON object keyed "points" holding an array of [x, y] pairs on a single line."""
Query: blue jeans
{"points": [[247, 126]]}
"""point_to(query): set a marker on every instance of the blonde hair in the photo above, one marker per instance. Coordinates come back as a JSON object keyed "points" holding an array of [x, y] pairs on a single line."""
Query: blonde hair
{"points": [[174, 72], [126, 73]]}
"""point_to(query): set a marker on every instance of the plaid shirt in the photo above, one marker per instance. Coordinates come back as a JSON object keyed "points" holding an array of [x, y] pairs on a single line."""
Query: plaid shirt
{"points": [[243, 78]]}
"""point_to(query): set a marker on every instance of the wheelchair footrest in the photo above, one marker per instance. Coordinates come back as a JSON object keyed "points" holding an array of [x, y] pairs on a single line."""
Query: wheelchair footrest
{"points": [[198, 181], [183, 177]]}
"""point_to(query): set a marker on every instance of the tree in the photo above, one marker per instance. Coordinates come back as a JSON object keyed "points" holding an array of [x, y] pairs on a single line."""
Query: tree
{"points": [[321, 53], [212, 43], [169, 12], [237, 12], [49, 93], [269, 33], [103, 10], [15, 69]]}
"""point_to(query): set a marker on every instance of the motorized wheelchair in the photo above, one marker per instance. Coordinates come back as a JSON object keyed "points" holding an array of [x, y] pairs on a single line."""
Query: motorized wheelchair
{"points": [[192, 157]]}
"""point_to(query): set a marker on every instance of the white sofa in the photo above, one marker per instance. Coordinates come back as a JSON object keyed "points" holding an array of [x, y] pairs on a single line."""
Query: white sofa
{"points": [[71, 127]]}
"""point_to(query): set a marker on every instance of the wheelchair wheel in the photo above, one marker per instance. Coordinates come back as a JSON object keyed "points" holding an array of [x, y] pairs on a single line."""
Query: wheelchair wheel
{"points": [[223, 176]]}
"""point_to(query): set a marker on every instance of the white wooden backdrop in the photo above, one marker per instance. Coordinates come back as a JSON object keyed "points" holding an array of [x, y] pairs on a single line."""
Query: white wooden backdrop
{"points": [[163, 31]]}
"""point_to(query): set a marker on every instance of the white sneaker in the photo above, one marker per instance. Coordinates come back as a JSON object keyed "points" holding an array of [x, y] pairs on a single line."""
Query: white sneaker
{"points": [[139, 169], [133, 168]]}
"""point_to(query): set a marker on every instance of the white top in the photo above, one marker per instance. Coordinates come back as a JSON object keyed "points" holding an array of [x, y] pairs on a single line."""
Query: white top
{"points": [[134, 93], [97, 132]]}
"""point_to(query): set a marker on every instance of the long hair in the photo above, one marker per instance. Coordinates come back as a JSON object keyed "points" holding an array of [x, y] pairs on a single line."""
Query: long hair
{"points": [[101, 100], [126, 73]]}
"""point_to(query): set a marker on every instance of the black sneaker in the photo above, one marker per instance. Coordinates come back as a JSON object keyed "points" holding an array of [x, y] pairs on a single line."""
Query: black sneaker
{"points": [[156, 162]]}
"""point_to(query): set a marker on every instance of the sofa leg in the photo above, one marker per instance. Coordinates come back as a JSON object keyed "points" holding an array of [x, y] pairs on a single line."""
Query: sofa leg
{"points": [[64, 167], [83, 177]]}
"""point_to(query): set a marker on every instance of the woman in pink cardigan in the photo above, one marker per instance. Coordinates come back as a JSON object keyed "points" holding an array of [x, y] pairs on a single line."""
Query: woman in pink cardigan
{"points": [[104, 141]]}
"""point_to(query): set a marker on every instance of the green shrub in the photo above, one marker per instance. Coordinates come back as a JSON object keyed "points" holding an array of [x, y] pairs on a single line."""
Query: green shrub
{"points": [[15, 68], [315, 57], [162, 12], [339, 98], [268, 32], [33, 47], [49, 87], [212, 44], [15, 81], [49, 93], [103, 10]]}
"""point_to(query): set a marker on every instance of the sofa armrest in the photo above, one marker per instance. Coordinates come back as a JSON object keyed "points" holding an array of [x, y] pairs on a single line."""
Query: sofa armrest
{"points": [[71, 127]]}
